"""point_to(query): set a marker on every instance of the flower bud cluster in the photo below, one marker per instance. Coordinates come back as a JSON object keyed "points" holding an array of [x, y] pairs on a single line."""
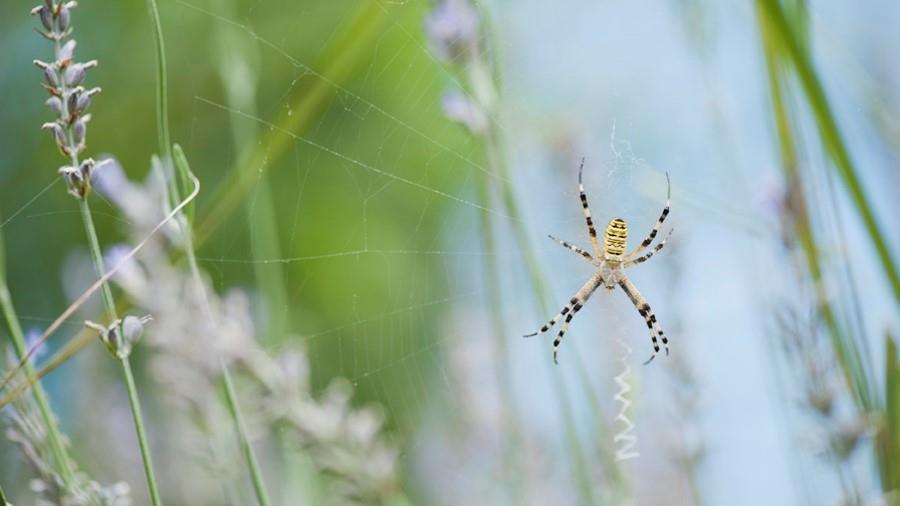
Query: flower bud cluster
{"points": [[69, 99], [121, 335]]}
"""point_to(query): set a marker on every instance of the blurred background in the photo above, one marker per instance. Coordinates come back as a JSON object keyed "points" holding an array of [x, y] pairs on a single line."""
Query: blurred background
{"points": [[377, 182]]}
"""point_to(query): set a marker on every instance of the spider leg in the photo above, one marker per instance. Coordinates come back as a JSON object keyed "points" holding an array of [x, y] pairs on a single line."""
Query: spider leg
{"points": [[587, 213], [659, 222], [650, 253], [562, 330], [574, 305], [644, 309], [555, 319], [574, 248]]}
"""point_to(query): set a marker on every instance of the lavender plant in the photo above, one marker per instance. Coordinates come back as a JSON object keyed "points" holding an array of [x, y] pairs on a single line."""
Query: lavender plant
{"points": [[345, 443], [56, 482], [69, 101]]}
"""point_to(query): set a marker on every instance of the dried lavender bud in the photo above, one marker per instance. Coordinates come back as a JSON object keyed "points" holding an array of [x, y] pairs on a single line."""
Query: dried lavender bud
{"points": [[107, 335], [133, 328], [63, 19], [46, 16], [457, 107], [74, 181], [72, 100], [84, 100], [50, 74], [79, 130], [86, 168], [49, 5], [65, 53], [75, 73], [821, 399], [59, 135], [453, 29], [55, 105]]}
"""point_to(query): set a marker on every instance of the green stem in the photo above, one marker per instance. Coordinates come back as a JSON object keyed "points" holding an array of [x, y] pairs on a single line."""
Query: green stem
{"points": [[258, 484], [165, 148], [3, 501], [139, 430], [133, 399], [235, 57], [97, 258], [15, 330]]}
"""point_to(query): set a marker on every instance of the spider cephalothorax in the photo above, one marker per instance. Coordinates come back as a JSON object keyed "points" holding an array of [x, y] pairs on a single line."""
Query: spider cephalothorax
{"points": [[611, 263]]}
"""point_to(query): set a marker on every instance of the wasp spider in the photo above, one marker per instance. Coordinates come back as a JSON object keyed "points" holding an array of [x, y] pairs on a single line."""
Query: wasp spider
{"points": [[611, 263]]}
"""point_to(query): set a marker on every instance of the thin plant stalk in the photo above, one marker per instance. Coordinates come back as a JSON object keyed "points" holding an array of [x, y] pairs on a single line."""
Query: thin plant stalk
{"points": [[259, 485], [162, 97], [40, 396], [482, 88], [165, 147], [3, 501], [236, 57], [829, 133], [480, 76], [70, 104], [133, 398], [847, 351]]}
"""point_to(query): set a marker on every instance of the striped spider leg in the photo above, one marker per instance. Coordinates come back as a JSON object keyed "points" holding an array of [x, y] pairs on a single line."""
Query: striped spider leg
{"points": [[611, 262], [575, 304]]}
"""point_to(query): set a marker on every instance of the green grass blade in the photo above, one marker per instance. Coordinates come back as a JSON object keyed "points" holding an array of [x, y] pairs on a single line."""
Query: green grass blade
{"points": [[162, 98], [847, 351], [54, 437], [311, 96], [889, 439], [830, 134]]}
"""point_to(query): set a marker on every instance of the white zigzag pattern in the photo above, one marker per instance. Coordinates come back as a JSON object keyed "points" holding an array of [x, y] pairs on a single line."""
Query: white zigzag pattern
{"points": [[625, 440]]}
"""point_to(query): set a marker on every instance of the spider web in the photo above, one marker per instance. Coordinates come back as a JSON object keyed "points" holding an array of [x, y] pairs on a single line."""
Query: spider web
{"points": [[378, 219], [382, 260]]}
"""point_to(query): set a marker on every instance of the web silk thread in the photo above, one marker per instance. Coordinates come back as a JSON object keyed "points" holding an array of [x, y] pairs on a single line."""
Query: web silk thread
{"points": [[625, 441]]}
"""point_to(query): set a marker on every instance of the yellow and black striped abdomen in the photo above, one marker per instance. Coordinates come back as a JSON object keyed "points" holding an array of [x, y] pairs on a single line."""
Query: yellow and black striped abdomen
{"points": [[616, 237]]}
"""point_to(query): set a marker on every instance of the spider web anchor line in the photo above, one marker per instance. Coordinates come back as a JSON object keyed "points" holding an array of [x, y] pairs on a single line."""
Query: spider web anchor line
{"points": [[625, 441]]}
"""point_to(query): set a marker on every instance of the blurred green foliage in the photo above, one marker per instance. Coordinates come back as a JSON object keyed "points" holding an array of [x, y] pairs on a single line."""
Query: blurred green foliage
{"points": [[325, 163]]}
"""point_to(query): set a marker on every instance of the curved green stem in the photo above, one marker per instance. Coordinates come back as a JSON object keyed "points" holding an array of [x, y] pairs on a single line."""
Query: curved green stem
{"points": [[133, 399]]}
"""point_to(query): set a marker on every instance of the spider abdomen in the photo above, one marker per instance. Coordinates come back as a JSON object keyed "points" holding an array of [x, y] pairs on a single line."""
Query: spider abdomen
{"points": [[616, 237]]}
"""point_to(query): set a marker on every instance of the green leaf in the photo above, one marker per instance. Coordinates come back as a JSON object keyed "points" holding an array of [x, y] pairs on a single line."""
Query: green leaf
{"points": [[184, 177]]}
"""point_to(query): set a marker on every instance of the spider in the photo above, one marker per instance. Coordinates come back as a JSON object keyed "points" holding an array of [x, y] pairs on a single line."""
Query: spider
{"points": [[611, 263]]}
